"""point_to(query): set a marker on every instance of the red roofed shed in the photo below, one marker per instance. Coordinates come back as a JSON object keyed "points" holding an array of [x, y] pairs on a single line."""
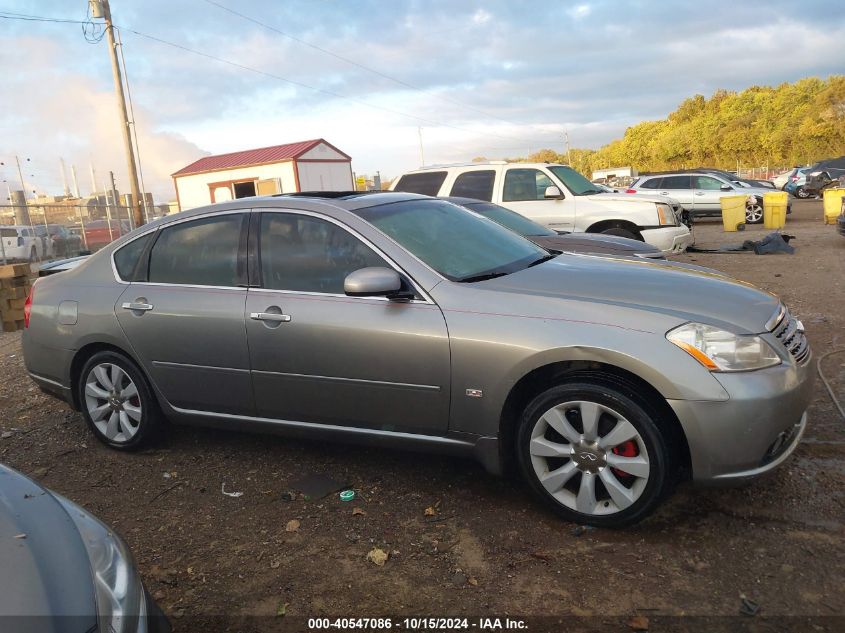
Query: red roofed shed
{"points": [[314, 165]]}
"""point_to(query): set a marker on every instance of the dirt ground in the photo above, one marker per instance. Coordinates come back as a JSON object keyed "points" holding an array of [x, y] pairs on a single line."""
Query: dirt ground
{"points": [[489, 549]]}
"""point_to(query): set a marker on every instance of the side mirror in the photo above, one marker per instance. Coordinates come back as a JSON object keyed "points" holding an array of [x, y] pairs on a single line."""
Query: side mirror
{"points": [[374, 281], [552, 192], [726, 188]]}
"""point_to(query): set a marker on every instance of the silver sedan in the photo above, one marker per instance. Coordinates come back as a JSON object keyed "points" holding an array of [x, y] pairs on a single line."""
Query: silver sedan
{"points": [[406, 321]]}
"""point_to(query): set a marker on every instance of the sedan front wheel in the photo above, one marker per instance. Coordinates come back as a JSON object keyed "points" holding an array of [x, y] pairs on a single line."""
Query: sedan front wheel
{"points": [[593, 454]]}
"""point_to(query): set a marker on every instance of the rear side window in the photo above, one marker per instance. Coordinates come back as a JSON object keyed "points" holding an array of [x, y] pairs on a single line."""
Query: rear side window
{"points": [[475, 184], [203, 252], [651, 183], [8, 232], [427, 183], [676, 182], [126, 258]]}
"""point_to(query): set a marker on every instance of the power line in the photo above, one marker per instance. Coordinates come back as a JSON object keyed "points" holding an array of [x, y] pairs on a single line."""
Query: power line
{"points": [[330, 93], [362, 66], [8, 15], [337, 95]]}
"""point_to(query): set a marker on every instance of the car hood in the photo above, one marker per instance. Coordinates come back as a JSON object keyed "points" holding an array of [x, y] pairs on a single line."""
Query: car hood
{"points": [[594, 243], [44, 568], [688, 295], [627, 197]]}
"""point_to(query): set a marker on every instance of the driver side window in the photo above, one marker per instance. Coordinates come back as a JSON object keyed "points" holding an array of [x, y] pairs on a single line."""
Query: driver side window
{"points": [[525, 184], [708, 183], [306, 254]]}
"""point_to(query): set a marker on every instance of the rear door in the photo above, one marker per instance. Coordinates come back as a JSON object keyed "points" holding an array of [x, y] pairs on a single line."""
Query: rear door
{"points": [[184, 314], [522, 189], [320, 356]]}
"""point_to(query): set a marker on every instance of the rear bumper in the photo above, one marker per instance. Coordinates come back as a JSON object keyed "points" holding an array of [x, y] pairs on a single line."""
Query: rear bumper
{"points": [[754, 431], [670, 239]]}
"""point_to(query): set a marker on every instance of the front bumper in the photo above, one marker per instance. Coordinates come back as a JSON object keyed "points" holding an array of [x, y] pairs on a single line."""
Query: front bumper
{"points": [[669, 239], [754, 431]]}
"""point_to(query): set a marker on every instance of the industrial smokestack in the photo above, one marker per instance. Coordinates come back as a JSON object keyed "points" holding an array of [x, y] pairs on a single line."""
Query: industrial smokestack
{"points": [[75, 181], [64, 176]]}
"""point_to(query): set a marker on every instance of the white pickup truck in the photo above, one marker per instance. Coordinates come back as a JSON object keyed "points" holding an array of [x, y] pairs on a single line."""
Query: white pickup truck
{"points": [[556, 196]]}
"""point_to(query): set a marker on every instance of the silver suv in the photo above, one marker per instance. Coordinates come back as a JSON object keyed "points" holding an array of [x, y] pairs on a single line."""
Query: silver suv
{"points": [[406, 321], [700, 193]]}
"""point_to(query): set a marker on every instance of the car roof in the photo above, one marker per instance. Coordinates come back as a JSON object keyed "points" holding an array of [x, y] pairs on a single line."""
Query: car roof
{"points": [[491, 163]]}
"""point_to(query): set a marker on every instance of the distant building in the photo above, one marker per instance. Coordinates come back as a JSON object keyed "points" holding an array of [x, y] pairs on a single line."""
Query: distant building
{"points": [[614, 173], [314, 165]]}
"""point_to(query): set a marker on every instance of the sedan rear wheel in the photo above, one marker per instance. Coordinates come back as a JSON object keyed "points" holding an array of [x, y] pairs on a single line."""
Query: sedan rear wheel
{"points": [[116, 401], [594, 454]]}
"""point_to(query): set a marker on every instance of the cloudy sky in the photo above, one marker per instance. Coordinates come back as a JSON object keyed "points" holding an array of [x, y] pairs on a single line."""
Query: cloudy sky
{"points": [[488, 78]]}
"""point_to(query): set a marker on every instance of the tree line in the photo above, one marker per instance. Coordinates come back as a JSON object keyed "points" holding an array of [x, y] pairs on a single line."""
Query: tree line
{"points": [[792, 124]]}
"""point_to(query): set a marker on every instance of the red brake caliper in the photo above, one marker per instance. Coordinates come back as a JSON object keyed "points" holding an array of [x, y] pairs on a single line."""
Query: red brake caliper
{"points": [[626, 449]]}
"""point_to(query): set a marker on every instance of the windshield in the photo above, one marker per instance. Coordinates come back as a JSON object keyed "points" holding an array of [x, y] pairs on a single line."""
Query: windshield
{"points": [[458, 244], [509, 219], [575, 182]]}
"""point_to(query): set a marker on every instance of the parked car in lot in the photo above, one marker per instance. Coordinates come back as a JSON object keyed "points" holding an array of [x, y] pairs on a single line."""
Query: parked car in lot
{"points": [[20, 243], [64, 570], [405, 321], [593, 243], [60, 241], [99, 233], [555, 196], [796, 183], [700, 194]]}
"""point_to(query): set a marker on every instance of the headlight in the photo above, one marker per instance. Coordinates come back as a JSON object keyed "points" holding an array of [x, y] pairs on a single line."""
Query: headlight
{"points": [[665, 215], [719, 350], [121, 605]]}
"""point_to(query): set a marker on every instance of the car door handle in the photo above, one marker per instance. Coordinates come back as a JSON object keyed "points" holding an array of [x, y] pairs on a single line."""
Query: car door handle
{"points": [[272, 317], [699, 193], [137, 307], [664, 193]]}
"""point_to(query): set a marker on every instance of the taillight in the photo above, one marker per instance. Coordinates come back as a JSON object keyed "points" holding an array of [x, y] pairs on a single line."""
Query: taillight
{"points": [[27, 306], [795, 179], [630, 191]]}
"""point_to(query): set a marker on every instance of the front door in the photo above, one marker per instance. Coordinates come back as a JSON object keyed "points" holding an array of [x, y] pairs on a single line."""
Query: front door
{"points": [[679, 188], [523, 190], [708, 193], [186, 321], [320, 356]]}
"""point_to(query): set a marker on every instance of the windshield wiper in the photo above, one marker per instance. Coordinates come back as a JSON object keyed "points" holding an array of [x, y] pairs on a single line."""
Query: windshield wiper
{"points": [[544, 258], [482, 277]]}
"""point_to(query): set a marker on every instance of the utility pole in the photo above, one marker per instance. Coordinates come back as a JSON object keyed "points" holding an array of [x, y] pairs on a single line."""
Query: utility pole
{"points": [[566, 140], [121, 102], [422, 156]]}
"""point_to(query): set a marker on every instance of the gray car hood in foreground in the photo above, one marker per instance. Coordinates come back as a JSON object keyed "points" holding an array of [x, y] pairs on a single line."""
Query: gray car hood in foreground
{"points": [[640, 284], [595, 243], [44, 568]]}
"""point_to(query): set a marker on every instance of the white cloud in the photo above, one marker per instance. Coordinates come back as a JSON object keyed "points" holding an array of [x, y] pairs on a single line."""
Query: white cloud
{"points": [[580, 11]]}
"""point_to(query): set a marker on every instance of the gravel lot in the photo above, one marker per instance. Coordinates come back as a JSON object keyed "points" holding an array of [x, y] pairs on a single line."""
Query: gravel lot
{"points": [[488, 549]]}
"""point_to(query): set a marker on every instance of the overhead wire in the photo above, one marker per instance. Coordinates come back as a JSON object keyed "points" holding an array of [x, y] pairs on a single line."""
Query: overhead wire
{"points": [[374, 71]]}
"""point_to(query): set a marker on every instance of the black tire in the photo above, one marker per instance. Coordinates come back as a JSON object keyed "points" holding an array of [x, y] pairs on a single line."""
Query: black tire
{"points": [[802, 193], [620, 232], [151, 418], [662, 466]]}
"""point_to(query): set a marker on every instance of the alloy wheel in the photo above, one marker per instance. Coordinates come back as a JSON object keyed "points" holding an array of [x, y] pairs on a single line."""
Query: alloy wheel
{"points": [[753, 213], [589, 458], [113, 402]]}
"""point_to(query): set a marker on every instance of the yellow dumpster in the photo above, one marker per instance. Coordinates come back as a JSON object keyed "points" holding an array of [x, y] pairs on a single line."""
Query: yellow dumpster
{"points": [[832, 204], [733, 212], [774, 209]]}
